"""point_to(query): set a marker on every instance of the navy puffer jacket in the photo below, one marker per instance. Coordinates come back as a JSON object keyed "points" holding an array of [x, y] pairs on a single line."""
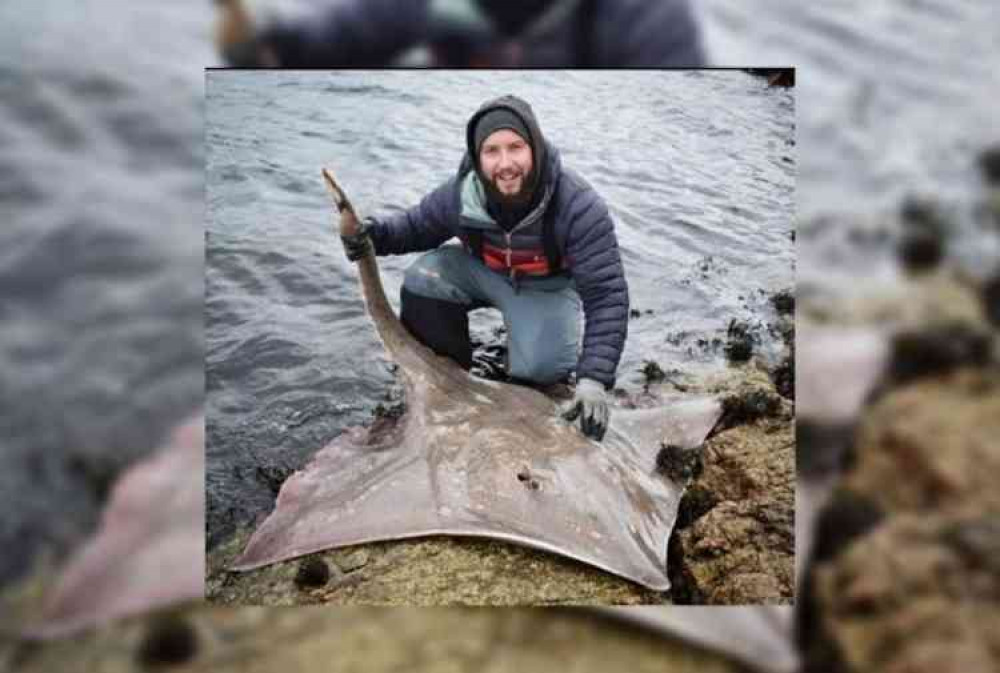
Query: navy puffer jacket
{"points": [[582, 230]]}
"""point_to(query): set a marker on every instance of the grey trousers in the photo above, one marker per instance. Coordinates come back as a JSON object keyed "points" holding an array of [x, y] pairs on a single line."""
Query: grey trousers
{"points": [[542, 315]]}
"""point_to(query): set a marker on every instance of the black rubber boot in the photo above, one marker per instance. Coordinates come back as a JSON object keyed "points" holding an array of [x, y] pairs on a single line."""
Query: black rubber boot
{"points": [[441, 325]]}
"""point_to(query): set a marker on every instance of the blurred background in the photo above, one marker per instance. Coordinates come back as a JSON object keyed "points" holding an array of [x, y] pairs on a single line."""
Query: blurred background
{"points": [[102, 275]]}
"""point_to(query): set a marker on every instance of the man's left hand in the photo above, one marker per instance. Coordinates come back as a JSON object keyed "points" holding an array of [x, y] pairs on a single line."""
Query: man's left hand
{"points": [[591, 405]]}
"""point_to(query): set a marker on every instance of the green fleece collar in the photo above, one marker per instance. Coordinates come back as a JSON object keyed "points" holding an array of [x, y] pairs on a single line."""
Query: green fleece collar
{"points": [[474, 202], [474, 212]]}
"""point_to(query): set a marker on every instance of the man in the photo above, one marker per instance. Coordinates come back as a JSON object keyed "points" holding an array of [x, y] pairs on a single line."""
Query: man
{"points": [[537, 243], [463, 33]]}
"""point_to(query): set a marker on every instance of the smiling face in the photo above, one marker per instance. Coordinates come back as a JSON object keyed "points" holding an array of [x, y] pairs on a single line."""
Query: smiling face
{"points": [[505, 159]]}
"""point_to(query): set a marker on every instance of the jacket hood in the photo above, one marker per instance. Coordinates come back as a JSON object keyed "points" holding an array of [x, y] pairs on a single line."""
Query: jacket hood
{"points": [[523, 110], [539, 149]]}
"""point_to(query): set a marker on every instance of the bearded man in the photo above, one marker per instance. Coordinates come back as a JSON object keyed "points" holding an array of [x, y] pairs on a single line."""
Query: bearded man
{"points": [[537, 243]]}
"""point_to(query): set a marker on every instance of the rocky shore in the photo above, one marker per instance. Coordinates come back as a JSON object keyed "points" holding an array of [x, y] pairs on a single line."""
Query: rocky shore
{"points": [[904, 574], [734, 542], [313, 639]]}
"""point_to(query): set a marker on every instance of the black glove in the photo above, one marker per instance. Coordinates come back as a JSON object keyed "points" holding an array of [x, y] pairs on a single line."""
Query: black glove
{"points": [[360, 245], [591, 403]]}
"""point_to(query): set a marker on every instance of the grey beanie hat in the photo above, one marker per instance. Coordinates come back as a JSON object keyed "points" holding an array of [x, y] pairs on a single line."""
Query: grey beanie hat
{"points": [[500, 118]]}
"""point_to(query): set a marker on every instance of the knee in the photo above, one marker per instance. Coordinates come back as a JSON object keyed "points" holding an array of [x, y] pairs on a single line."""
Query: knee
{"points": [[428, 277], [422, 271], [543, 348]]}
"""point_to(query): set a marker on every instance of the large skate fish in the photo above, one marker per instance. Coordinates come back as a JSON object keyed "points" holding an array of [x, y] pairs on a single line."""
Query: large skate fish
{"points": [[472, 457], [149, 550]]}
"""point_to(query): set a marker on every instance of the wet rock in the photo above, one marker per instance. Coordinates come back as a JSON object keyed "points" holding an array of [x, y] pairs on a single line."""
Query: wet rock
{"points": [[705, 344], [986, 211], [991, 300], [747, 406], [989, 165], [734, 542], [739, 341], [822, 448], [785, 329], [350, 560], [819, 650], [684, 589], [696, 502], [934, 612], [905, 574], [313, 572], [391, 411], [920, 251], [923, 302], [784, 302], [977, 541], [272, 476], [938, 349], [653, 372], [784, 376], [169, 641], [679, 464], [739, 553], [378, 640], [99, 472], [932, 444], [922, 244], [385, 417], [675, 338], [426, 571], [922, 213], [846, 517]]}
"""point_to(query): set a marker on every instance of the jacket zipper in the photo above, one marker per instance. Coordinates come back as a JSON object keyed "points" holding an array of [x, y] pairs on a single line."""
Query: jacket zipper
{"points": [[513, 272], [508, 252], [530, 219]]}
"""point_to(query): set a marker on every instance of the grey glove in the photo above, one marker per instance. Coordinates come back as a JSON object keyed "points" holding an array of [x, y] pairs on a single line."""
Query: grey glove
{"points": [[360, 245], [591, 404]]}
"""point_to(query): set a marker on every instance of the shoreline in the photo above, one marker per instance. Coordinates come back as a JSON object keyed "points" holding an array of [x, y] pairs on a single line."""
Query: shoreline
{"points": [[752, 461]]}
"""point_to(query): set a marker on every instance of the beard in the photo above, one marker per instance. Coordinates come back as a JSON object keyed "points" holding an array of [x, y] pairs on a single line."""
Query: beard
{"points": [[518, 199]]}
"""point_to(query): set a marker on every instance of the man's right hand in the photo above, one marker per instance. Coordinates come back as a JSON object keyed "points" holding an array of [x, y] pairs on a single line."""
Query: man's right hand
{"points": [[360, 245], [236, 38], [591, 406]]}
